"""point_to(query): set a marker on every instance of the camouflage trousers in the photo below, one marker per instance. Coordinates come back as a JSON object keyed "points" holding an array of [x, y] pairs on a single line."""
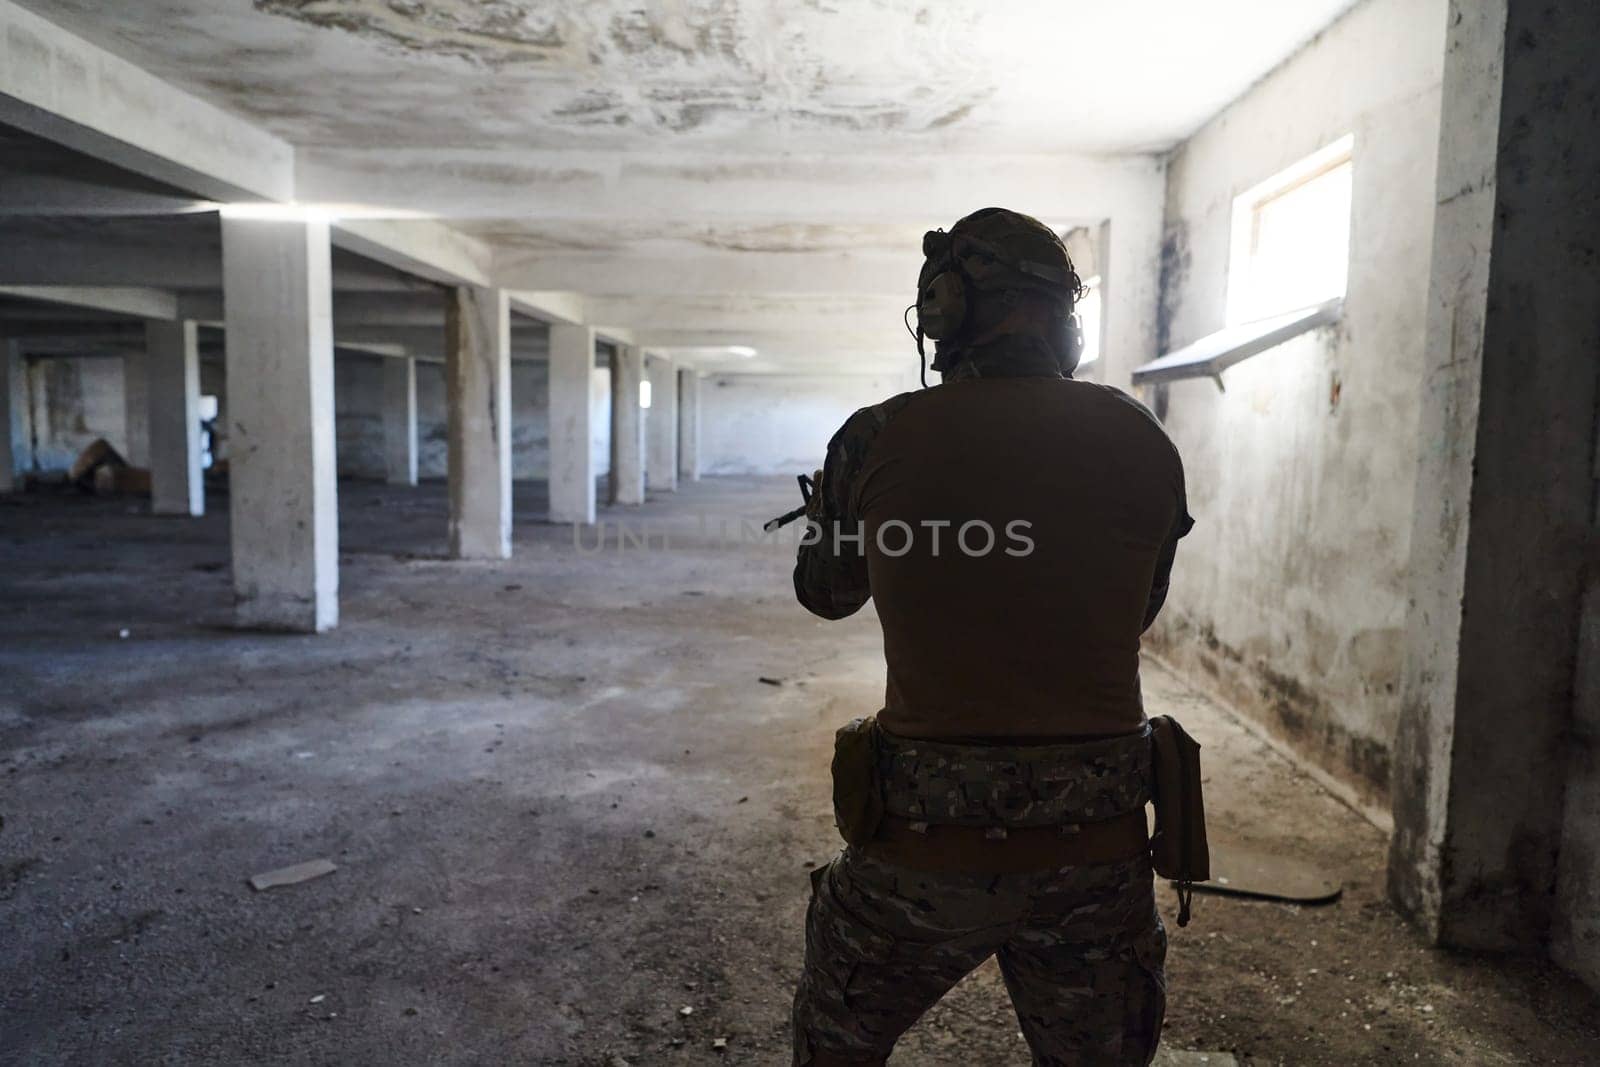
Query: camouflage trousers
{"points": [[1081, 950]]}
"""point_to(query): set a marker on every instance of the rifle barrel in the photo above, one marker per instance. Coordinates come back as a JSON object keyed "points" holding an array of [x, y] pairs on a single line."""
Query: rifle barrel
{"points": [[783, 520]]}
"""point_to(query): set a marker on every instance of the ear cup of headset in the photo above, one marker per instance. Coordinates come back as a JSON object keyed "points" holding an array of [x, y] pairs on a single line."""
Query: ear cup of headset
{"points": [[942, 307], [1074, 345]]}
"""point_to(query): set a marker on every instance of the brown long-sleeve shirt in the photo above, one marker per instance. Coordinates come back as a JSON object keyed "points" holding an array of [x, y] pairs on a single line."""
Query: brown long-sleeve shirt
{"points": [[1018, 534]]}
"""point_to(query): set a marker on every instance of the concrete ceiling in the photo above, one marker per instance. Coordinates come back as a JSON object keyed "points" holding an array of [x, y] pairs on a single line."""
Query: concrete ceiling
{"points": [[751, 173], [835, 76]]}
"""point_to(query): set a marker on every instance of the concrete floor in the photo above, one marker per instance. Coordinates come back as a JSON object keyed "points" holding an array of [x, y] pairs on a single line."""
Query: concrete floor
{"points": [[564, 806]]}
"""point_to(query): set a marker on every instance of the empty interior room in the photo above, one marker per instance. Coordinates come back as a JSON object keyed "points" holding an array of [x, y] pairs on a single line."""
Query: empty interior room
{"points": [[402, 659]]}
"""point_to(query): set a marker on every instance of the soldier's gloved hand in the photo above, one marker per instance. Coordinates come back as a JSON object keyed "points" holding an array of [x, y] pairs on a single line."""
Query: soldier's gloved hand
{"points": [[814, 506]]}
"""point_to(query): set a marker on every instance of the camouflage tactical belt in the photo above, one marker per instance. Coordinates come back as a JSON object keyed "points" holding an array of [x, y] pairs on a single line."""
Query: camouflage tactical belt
{"points": [[1018, 785]]}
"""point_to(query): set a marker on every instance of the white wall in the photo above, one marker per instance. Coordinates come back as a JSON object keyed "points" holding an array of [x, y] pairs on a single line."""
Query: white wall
{"points": [[780, 424], [599, 421], [358, 416], [73, 400], [1291, 590], [358, 400]]}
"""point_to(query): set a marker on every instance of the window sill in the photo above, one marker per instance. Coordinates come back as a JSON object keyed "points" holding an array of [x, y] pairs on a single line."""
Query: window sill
{"points": [[1213, 354]]}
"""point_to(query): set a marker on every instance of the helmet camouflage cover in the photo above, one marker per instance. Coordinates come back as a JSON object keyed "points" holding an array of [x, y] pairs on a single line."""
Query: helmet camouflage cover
{"points": [[998, 249]]}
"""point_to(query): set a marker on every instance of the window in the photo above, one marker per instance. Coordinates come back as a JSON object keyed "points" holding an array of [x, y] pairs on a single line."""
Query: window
{"points": [[644, 393], [1088, 312], [1291, 238], [210, 407]]}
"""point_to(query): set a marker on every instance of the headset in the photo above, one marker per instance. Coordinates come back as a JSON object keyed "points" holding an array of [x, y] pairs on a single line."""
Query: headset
{"points": [[942, 288]]}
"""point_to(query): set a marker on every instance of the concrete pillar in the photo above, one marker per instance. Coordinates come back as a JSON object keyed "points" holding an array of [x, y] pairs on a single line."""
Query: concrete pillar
{"points": [[1488, 742], [478, 395], [400, 420], [1130, 294], [661, 426], [172, 352], [136, 406], [283, 496], [627, 426], [571, 452], [689, 425], [15, 444]]}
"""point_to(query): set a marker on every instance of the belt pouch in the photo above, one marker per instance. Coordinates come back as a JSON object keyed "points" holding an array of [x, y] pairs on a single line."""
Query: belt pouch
{"points": [[857, 796], [1178, 849]]}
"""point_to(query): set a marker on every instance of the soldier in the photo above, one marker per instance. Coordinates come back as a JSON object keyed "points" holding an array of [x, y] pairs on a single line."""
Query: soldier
{"points": [[1017, 529]]}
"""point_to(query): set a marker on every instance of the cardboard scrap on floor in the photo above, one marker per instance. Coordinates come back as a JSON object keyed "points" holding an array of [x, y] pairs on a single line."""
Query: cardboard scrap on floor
{"points": [[1247, 872], [100, 468], [300, 872]]}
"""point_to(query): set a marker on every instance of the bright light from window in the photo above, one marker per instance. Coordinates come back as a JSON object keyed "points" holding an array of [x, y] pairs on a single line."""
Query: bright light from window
{"points": [[1291, 237], [269, 212], [1088, 312], [644, 393]]}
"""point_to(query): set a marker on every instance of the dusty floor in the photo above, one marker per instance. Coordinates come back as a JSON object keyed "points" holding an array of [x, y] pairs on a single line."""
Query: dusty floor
{"points": [[564, 807]]}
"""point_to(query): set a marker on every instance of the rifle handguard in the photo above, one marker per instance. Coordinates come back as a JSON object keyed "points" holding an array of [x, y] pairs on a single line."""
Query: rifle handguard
{"points": [[789, 516]]}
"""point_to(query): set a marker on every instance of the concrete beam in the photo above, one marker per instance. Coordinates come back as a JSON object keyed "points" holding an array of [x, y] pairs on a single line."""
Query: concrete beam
{"points": [[178, 254], [802, 345], [421, 308], [741, 312], [617, 335], [177, 485], [60, 87], [83, 331], [382, 351], [696, 270], [118, 300], [604, 187], [553, 307], [283, 496], [571, 430], [419, 247], [33, 259], [66, 195], [478, 399], [627, 426]]}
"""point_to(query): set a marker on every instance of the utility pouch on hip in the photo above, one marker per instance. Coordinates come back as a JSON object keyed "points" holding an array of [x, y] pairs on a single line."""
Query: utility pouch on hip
{"points": [[1178, 849], [857, 797]]}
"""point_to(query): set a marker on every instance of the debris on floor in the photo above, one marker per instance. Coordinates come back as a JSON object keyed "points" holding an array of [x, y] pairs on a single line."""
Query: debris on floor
{"points": [[100, 468], [1244, 872], [1184, 1058], [293, 875], [764, 680]]}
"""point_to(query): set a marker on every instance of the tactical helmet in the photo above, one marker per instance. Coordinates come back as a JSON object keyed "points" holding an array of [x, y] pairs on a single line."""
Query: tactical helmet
{"points": [[991, 253]]}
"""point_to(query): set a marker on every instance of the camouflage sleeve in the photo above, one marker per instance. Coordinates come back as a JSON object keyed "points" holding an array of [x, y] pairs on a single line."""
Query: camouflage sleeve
{"points": [[830, 576]]}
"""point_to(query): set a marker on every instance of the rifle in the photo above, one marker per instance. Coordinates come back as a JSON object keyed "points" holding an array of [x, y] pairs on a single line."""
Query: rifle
{"points": [[806, 487]]}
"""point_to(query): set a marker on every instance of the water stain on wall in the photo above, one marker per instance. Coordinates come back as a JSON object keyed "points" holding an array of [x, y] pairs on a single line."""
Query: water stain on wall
{"points": [[1175, 263], [1291, 707]]}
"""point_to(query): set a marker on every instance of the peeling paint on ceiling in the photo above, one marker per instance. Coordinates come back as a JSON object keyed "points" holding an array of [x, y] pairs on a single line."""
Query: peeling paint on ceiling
{"points": [[687, 64], [828, 76]]}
